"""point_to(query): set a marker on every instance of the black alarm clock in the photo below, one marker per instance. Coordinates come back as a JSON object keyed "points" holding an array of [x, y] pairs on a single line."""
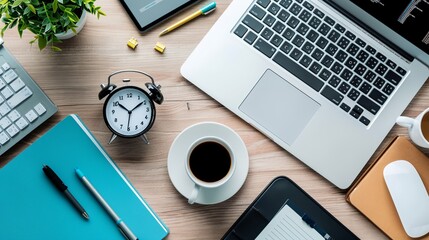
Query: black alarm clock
{"points": [[129, 111]]}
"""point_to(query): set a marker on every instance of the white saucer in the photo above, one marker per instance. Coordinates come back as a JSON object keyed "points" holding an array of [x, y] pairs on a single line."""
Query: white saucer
{"points": [[177, 157]]}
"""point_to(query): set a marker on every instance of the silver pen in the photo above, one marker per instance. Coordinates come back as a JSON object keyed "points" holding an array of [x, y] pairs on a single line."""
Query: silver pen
{"points": [[121, 224]]}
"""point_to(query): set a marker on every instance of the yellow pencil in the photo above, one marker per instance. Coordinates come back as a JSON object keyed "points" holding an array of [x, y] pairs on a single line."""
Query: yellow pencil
{"points": [[203, 11]]}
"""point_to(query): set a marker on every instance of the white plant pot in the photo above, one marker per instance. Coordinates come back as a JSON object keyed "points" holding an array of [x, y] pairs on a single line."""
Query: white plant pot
{"points": [[70, 33]]}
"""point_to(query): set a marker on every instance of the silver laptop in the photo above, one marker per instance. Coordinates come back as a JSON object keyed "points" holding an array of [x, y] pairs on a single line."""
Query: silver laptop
{"points": [[323, 79]]}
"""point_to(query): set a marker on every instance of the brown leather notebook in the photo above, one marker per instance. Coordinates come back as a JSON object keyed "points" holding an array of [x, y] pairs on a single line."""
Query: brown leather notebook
{"points": [[370, 194]]}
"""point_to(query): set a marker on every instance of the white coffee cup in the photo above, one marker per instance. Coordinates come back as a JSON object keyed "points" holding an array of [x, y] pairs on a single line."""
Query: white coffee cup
{"points": [[418, 128], [210, 163]]}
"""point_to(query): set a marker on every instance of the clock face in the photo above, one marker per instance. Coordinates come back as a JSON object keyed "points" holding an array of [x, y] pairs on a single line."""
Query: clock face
{"points": [[129, 112]]}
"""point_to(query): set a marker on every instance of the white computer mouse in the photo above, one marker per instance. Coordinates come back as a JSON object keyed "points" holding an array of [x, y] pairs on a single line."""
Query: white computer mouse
{"points": [[409, 196]]}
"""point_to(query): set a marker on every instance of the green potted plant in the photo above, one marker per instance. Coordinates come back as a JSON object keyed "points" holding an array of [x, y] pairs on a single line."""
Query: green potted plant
{"points": [[49, 20]]}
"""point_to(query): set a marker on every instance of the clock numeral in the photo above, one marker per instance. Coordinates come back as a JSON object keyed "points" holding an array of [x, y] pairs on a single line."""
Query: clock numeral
{"points": [[147, 109], [116, 120], [115, 104], [113, 111], [138, 97], [144, 102], [129, 95], [141, 123], [121, 97], [146, 117], [128, 129], [137, 127], [122, 125]]}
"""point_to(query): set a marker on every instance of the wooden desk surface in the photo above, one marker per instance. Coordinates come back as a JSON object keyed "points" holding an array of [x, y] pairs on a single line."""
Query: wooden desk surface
{"points": [[72, 77]]}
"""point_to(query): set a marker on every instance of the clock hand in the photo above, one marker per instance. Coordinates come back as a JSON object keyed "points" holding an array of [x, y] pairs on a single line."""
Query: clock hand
{"points": [[129, 117], [138, 105], [122, 106]]}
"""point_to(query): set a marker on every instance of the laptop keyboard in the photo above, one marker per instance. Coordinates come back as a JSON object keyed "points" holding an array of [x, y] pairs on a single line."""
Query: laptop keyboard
{"points": [[23, 105], [323, 54]]}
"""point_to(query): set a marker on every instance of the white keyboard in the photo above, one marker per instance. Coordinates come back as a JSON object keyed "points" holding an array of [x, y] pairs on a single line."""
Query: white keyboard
{"points": [[23, 105]]}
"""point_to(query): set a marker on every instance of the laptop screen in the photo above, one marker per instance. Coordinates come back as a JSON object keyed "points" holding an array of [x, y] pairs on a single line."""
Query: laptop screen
{"points": [[409, 18], [402, 22]]}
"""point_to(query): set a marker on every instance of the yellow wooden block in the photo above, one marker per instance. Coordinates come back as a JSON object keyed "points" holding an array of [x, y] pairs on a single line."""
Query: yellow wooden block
{"points": [[160, 47], [132, 43]]}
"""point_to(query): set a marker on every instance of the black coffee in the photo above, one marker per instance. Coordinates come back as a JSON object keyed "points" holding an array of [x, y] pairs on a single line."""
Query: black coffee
{"points": [[210, 161]]}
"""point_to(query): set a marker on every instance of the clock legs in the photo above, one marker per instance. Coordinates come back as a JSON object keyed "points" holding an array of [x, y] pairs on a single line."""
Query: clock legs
{"points": [[112, 138], [144, 138]]}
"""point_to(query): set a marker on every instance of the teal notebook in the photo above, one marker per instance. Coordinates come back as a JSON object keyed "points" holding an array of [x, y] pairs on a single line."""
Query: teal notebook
{"points": [[32, 208]]}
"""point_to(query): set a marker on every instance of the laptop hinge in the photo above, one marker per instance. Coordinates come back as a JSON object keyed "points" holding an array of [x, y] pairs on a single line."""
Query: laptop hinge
{"points": [[393, 46]]}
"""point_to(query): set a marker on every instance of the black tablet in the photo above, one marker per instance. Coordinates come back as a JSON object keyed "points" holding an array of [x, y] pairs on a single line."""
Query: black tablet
{"points": [[282, 192], [147, 13]]}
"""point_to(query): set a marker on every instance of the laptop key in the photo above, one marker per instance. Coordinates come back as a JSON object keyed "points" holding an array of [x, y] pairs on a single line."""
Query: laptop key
{"points": [[401, 71], [312, 35], [305, 16], [250, 37], [288, 34], [364, 120], [302, 29], [334, 81], [293, 22], [378, 96], [353, 94], [317, 54], [332, 95], [322, 42], [324, 29], [253, 23], [283, 15], [345, 107], [340, 28], [285, 3], [331, 49], [360, 42], [315, 68], [265, 47], [365, 87], [295, 9], [267, 33], [391, 64], [368, 104], [269, 20], [305, 61], [298, 41], [369, 76], [325, 74], [240, 30], [392, 77], [388, 89], [295, 54], [308, 5], [356, 111], [279, 27], [314, 22], [356, 81], [351, 62], [329, 20], [350, 35], [264, 3], [286, 47], [297, 70], [318, 13], [258, 12], [277, 40], [274, 9]]}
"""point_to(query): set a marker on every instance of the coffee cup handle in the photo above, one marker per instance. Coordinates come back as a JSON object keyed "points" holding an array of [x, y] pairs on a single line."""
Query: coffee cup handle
{"points": [[405, 121], [194, 194]]}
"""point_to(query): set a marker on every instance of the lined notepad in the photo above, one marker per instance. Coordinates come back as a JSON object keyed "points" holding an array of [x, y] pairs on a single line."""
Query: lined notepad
{"points": [[31, 208]]}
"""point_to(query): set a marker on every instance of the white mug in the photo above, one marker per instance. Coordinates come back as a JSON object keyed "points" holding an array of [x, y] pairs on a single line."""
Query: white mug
{"points": [[418, 128], [210, 164]]}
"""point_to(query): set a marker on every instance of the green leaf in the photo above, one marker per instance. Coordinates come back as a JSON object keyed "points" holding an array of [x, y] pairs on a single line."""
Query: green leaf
{"points": [[56, 49], [17, 3], [42, 42], [32, 9], [55, 5], [48, 27], [3, 2]]}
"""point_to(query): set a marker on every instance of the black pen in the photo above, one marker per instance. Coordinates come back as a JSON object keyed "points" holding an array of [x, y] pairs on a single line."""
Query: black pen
{"points": [[53, 177]]}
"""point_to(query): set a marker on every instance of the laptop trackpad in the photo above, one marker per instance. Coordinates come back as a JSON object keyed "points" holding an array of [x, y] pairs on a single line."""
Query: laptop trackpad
{"points": [[279, 107]]}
